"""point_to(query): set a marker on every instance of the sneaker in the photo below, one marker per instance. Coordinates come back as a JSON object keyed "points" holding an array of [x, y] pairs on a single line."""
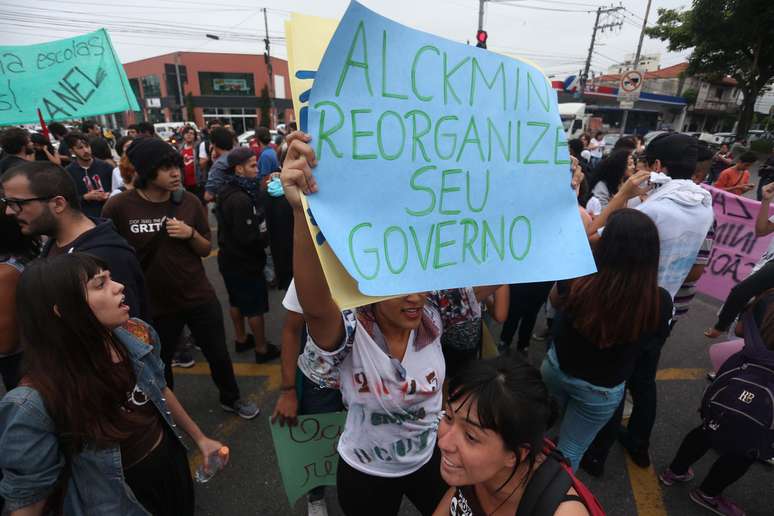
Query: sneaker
{"points": [[711, 375], [717, 504], [242, 408], [592, 466], [639, 455], [317, 507], [183, 359], [271, 353], [247, 345], [668, 477]]}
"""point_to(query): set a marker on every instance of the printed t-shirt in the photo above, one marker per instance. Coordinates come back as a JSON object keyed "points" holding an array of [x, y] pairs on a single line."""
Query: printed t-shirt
{"points": [[767, 256], [393, 407], [99, 176], [732, 177], [175, 277], [189, 171], [461, 318]]}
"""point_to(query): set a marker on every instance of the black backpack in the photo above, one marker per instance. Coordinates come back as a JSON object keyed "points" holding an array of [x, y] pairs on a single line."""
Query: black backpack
{"points": [[738, 406], [548, 487]]}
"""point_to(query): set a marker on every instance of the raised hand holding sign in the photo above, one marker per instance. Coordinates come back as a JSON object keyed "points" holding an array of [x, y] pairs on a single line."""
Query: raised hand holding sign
{"points": [[440, 165]]}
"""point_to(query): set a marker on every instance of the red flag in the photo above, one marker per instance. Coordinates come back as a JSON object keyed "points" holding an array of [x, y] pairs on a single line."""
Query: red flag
{"points": [[43, 125]]}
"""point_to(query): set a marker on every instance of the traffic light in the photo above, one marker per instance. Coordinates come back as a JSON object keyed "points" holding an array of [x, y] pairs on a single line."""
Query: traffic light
{"points": [[481, 38]]}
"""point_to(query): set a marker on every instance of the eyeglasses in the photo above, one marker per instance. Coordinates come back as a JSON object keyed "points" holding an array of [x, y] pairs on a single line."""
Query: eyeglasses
{"points": [[17, 205]]}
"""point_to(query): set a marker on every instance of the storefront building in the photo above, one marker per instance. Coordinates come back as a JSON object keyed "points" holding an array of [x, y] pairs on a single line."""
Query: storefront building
{"points": [[200, 86]]}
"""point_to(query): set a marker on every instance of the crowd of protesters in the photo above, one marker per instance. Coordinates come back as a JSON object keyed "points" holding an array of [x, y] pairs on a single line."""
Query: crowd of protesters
{"points": [[103, 288]]}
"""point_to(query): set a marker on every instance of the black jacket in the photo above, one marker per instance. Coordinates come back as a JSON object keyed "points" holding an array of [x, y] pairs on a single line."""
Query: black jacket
{"points": [[104, 242], [240, 246]]}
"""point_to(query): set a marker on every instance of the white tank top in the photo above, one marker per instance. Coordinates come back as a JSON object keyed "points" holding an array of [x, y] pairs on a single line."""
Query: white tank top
{"points": [[393, 407]]}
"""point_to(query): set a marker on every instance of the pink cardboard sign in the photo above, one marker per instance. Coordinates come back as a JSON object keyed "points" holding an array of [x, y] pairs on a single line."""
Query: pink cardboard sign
{"points": [[736, 248]]}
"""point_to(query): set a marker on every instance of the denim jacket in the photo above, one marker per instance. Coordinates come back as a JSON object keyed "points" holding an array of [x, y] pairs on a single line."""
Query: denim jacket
{"points": [[32, 460]]}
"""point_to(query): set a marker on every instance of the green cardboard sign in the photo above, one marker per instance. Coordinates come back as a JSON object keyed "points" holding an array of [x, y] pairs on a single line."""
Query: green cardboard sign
{"points": [[306, 453], [68, 78]]}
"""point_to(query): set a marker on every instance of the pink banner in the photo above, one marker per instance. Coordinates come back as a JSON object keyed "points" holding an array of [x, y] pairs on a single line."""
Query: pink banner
{"points": [[736, 249]]}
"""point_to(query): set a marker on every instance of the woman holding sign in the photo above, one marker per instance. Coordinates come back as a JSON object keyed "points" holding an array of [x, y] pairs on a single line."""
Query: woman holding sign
{"points": [[92, 428], [386, 358]]}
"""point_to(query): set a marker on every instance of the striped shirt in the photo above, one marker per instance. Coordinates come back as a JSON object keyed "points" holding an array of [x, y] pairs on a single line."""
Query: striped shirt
{"points": [[687, 290]]}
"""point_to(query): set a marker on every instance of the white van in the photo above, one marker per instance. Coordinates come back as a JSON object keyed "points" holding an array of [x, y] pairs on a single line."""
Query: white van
{"points": [[166, 130], [574, 118]]}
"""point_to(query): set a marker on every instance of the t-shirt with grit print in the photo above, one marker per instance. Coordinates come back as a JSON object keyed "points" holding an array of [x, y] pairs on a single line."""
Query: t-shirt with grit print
{"points": [[393, 407], [175, 278]]}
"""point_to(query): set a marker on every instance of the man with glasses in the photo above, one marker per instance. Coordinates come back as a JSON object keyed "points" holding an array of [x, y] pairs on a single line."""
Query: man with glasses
{"points": [[41, 197]]}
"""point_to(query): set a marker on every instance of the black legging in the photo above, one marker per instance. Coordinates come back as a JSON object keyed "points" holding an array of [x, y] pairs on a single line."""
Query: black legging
{"points": [[360, 493], [729, 467], [743, 292], [524, 305]]}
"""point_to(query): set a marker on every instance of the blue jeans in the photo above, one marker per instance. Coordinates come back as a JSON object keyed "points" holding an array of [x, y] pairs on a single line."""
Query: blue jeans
{"points": [[587, 407]]}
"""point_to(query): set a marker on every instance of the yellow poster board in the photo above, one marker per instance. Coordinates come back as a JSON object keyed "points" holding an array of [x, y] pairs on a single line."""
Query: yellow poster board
{"points": [[307, 38]]}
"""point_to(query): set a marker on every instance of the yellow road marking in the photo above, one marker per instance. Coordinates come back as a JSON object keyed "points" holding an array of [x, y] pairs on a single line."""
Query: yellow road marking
{"points": [[680, 374], [646, 490], [229, 426], [214, 252], [272, 371]]}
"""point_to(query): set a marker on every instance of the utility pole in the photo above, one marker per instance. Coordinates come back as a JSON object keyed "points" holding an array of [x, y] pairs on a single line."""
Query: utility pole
{"points": [[267, 55], [481, 14], [600, 11], [183, 111], [637, 64]]}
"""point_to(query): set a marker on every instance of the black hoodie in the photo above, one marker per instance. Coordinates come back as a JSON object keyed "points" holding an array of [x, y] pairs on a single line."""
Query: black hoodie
{"points": [[240, 247], [104, 242]]}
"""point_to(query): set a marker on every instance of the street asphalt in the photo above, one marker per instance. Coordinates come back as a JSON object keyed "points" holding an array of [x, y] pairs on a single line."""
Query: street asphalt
{"points": [[251, 484]]}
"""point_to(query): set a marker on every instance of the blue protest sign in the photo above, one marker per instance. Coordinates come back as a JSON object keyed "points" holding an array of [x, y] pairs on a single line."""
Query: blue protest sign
{"points": [[441, 165], [68, 78]]}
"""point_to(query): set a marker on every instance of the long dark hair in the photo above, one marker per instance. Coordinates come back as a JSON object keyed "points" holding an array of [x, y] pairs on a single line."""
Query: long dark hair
{"points": [[611, 170], [627, 263], [512, 400], [67, 351], [13, 244]]}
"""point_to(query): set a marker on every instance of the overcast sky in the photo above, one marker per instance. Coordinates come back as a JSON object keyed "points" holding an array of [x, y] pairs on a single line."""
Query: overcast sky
{"points": [[554, 34]]}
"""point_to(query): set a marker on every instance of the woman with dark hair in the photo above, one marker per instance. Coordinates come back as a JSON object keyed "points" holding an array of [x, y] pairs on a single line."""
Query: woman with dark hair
{"points": [[732, 427], [594, 347], [16, 251], [608, 177], [491, 438], [93, 413]]}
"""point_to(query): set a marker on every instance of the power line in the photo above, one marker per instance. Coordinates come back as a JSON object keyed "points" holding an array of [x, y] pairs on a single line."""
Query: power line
{"points": [[509, 3]]}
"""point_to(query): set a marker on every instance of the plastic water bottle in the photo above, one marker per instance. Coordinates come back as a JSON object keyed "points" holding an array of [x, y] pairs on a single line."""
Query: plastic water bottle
{"points": [[217, 460]]}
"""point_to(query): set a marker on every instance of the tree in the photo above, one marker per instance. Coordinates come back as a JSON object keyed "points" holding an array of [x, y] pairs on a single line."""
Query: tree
{"points": [[264, 105], [728, 37]]}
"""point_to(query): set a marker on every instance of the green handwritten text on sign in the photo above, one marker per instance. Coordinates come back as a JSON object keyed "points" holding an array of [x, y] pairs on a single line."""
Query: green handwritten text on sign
{"points": [[306, 453], [441, 165], [68, 78]]}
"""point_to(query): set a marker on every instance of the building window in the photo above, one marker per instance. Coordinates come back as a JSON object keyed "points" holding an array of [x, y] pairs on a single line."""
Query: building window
{"points": [[239, 119], [223, 83], [719, 93], [151, 86]]}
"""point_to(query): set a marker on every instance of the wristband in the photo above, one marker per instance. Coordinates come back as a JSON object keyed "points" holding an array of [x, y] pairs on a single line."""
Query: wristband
{"points": [[193, 233]]}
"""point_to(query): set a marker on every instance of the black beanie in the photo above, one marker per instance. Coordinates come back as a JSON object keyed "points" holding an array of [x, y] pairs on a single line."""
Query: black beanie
{"points": [[146, 154]]}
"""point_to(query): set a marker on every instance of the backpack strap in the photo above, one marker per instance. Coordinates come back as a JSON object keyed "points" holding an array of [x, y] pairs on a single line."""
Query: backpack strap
{"points": [[547, 487]]}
